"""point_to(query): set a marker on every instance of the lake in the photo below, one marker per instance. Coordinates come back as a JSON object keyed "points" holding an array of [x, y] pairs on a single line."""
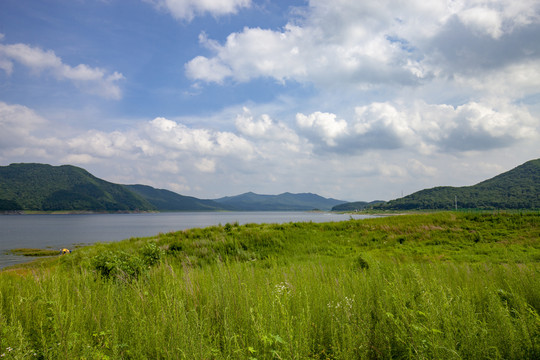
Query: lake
{"points": [[59, 231]]}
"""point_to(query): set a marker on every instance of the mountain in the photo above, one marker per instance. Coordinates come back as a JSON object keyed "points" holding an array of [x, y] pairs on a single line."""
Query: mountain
{"points": [[166, 200], [357, 205], [283, 202], [48, 188], [518, 188], [43, 187]]}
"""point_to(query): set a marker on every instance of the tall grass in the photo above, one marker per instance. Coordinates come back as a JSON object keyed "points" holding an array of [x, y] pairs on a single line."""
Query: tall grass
{"points": [[401, 287]]}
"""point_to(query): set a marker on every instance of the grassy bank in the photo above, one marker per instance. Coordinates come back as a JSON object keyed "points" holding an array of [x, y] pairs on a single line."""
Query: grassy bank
{"points": [[34, 252], [444, 285]]}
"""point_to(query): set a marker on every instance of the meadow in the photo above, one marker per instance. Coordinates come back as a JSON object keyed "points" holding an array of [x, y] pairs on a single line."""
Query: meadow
{"points": [[446, 285]]}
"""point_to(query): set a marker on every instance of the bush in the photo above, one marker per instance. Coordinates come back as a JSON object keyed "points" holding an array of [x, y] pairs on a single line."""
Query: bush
{"points": [[118, 264], [151, 254]]}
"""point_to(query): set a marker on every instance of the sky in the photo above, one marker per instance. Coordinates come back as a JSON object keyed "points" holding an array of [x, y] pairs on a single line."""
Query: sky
{"points": [[353, 100]]}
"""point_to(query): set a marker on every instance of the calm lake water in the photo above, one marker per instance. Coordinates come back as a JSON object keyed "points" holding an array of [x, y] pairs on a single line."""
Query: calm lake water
{"points": [[58, 231]]}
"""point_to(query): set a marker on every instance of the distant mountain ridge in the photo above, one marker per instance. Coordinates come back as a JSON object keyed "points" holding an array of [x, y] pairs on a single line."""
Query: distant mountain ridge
{"points": [[42, 187], [518, 188], [283, 202]]}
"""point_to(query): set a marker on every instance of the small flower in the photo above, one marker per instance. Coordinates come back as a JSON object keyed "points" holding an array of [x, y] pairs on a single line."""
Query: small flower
{"points": [[282, 288], [9, 348], [349, 302]]}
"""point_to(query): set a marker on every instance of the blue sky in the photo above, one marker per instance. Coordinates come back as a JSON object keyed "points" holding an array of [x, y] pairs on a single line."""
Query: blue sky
{"points": [[352, 100]]}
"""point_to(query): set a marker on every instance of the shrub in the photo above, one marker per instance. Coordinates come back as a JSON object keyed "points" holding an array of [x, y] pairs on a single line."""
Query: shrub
{"points": [[119, 264], [151, 254]]}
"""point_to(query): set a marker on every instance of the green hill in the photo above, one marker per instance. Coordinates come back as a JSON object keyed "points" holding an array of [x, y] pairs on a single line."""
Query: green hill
{"points": [[166, 200], [282, 202], [518, 188], [43, 187]]}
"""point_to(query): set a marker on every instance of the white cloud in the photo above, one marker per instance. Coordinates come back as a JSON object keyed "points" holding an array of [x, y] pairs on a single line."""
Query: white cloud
{"points": [[18, 125], [423, 128], [170, 135], [325, 125], [187, 9], [93, 80], [382, 125], [366, 44], [512, 81], [484, 20], [264, 128], [250, 54], [25, 134], [102, 144]]}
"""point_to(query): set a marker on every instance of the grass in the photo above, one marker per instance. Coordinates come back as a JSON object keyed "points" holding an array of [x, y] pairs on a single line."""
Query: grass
{"points": [[34, 252], [445, 285]]}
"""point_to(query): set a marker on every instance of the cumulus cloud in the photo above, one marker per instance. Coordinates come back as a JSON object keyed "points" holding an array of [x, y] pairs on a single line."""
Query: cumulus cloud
{"points": [[324, 125], [102, 144], [345, 42], [264, 128], [23, 133], [93, 80], [365, 43], [187, 9], [170, 135], [17, 124], [423, 127]]}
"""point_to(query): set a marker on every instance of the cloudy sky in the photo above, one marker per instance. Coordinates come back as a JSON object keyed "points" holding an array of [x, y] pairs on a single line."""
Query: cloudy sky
{"points": [[355, 100]]}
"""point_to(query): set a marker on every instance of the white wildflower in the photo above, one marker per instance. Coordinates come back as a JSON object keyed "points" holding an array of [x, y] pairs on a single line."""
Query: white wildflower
{"points": [[283, 288]]}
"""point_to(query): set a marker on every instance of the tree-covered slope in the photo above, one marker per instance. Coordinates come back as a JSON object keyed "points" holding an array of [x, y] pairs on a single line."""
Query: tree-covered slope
{"points": [[282, 202], [518, 188], [165, 200], [49, 188]]}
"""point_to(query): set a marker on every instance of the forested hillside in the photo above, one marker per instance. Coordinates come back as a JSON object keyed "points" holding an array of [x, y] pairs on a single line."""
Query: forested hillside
{"points": [[43, 187], [518, 188]]}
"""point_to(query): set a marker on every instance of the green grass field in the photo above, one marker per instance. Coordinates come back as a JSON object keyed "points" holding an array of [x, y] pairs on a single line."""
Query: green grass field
{"points": [[424, 286]]}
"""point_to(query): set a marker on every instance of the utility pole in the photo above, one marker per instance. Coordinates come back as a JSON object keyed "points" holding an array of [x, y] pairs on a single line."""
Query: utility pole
{"points": [[455, 201]]}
